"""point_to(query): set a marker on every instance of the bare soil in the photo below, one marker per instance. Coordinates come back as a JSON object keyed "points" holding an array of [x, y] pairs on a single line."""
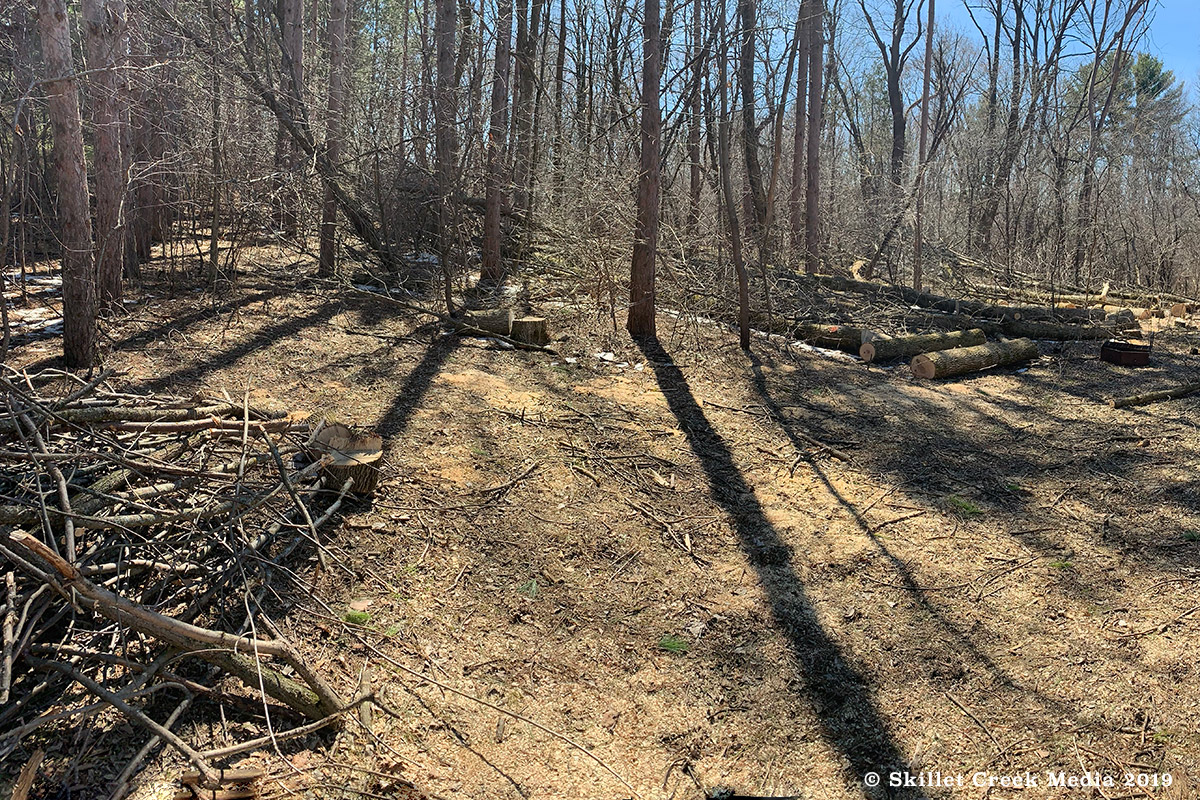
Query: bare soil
{"points": [[647, 555]]}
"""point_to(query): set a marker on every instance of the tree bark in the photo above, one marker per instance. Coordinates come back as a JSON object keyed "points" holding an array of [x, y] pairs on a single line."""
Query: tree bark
{"points": [[747, 37], [492, 269], [881, 349], [812, 194], [336, 33], [922, 151], [799, 154], [75, 222], [289, 158], [445, 140], [641, 322], [731, 214], [104, 23], [961, 360]]}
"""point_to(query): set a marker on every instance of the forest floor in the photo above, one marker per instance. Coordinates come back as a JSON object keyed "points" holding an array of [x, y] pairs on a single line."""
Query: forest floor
{"points": [[647, 552]]}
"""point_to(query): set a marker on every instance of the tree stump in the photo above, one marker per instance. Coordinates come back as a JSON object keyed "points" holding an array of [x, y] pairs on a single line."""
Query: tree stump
{"points": [[531, 330], [880, 349], [961, 360], [347, 454]]}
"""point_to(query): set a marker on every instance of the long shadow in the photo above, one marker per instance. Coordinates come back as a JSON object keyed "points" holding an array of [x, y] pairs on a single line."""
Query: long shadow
{"points": [[155, 332], [393, 421], [841, 697], [263, 338]]}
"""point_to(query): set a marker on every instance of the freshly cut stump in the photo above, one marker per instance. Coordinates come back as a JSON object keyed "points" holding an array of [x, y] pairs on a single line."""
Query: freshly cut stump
{"points": [[347, 454], [531, 330], [961, 360], [880, 349]]}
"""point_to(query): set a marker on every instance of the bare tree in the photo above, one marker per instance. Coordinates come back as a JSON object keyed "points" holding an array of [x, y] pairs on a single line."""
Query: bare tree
{"points": [[812, 195], [336, 34], [492, 268], [104, 23], [641, 323], [923, 148], [75, 222]]}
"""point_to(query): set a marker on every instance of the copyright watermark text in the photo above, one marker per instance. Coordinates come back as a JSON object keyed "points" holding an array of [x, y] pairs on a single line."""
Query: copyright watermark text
{"points": [[1051, 779]]}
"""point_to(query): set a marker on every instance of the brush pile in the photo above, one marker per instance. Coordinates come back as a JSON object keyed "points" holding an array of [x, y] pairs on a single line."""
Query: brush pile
{"points": [[140, 539]]}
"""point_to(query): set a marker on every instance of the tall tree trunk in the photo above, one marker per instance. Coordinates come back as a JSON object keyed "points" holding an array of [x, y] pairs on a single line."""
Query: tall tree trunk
{"points": [[212, 270], [796, 197], [812, 194], [104, 23], [731, 217], [923, 150], [695, 178], [748, 37], [492, 269], [527, 59], [289, 159], [641, 323], [75, 223], [336, 34], [445, 138]]}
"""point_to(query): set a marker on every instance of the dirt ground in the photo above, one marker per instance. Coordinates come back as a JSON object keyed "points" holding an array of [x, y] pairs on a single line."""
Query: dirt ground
{"points": [[630, 571]]}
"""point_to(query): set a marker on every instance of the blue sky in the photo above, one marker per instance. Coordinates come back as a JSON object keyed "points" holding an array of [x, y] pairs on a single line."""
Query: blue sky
{"points": [[1175, 38], [1174, 34]]}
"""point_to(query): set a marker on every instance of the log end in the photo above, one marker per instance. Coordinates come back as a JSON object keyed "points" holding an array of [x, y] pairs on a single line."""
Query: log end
{"points": [[922, 366], [867, 352]]}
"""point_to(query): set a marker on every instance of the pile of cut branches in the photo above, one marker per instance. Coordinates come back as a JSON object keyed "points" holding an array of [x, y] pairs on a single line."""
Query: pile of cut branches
{"points": [[139, 538]]}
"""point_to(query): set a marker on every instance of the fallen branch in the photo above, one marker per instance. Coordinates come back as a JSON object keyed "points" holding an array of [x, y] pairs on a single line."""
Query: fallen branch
{"points": [[1154, 397]]}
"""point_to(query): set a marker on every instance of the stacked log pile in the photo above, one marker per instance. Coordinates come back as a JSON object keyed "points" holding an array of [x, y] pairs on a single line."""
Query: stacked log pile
{"points": [[155, 526]]}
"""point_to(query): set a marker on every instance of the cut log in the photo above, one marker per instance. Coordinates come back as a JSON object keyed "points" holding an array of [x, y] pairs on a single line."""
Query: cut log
{"points": [[531, 330], [500, 322], [349, 455], [1179, 310], [832, 337], [904, 346], [961, 360], [1017, 328], [1154, 397]]}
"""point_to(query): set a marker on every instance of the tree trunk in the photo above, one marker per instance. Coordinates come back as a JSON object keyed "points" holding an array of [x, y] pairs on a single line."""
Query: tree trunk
{"points": [[747, 37], [731, 214], [812, 194], [445, 139], [336, 33], [289, 159], [104, 23], [492, 269], [695, 180], [75, 222], [641, 323], [922, 151], [796, 198], [881, 349], [961, 360]]}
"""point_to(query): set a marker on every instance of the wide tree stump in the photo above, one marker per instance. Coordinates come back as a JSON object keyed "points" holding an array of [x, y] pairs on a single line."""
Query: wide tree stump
{"points": [[350, 455], [531, 330], [961, 360], [884, 349]]}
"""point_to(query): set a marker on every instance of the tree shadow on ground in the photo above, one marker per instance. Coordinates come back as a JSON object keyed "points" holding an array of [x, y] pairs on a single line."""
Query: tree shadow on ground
{"points": [[849, 717]]}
